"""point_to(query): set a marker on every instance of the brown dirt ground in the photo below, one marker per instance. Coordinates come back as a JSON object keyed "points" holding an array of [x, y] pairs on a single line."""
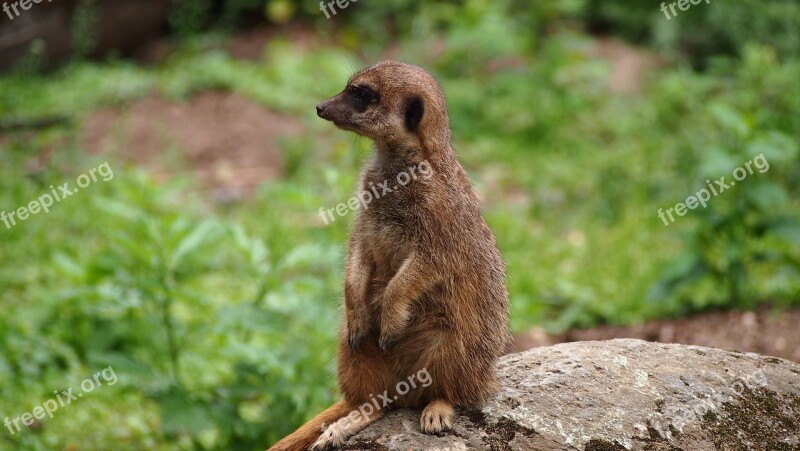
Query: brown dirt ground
{"points": [[629, 64], [762, 331], [249, 44], [246, 45], [230, 143]]}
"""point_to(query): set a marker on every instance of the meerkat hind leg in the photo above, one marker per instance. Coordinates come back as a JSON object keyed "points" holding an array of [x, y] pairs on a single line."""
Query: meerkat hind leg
{"points": [[337, 433], [437, 417]]}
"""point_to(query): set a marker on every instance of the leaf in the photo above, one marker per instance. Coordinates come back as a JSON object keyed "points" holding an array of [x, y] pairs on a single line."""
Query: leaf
{"points": [[191, 242], [68, 266], [308, 255], [716, 162], [254, 247], [180, 414], [118, 209], [684, 267], [789, 232], [767, 196], [774, 147], [730, 120]]}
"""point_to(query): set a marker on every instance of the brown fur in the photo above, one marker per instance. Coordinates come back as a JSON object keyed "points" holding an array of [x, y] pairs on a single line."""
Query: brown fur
{"points": [[424, 281]]}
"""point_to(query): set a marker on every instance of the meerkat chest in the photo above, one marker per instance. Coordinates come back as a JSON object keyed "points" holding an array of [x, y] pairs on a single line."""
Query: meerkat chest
{"points": [[389, 206], [390, 221], [387, 244]]}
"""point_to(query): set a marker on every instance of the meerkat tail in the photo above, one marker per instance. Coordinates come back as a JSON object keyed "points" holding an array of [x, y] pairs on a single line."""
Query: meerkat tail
{"points": [[303, 438]]}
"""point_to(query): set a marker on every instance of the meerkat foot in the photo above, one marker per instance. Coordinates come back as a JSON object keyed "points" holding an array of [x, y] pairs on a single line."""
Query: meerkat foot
{"points": [[337, 433], [437, 417], [331, 438]]}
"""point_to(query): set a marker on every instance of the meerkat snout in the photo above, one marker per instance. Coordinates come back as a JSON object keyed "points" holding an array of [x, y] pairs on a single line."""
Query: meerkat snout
{"points": [[352, 109], [396, 104]]}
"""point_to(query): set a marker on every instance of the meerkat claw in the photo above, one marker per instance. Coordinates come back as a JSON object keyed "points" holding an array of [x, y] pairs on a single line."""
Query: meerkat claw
{"points": [[385, 342], [437, 417], [354, 341]]}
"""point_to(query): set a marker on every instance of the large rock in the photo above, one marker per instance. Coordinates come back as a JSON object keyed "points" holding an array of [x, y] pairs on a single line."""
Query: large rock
{"points": [[619, 395]]}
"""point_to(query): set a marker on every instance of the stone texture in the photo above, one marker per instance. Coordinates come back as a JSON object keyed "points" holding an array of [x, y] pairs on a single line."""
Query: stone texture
{"points": [[619, 395]]}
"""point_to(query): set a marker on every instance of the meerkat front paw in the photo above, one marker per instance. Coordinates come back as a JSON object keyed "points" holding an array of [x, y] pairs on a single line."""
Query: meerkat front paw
{"points": [[354, 340], [354, 337], [385, 341], [437, 417], [357, 329], [393, 323]]}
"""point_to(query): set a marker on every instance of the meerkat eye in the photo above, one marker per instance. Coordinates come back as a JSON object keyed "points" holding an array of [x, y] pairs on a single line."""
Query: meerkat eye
{"points": [[362, 96]]}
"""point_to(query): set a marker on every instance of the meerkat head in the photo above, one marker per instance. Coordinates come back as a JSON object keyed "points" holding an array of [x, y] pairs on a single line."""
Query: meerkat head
{"points": [[395, 104]]}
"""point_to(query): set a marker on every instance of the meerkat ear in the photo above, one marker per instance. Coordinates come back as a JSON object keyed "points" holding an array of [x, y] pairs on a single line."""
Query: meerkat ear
{"points": [[415, 109]]}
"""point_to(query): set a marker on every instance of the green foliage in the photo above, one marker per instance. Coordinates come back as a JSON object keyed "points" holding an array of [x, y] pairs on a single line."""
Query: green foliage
{"points": [[221, 319], [190, 17], [147, 286], [720, 27], [85, 19], [744, 247]]}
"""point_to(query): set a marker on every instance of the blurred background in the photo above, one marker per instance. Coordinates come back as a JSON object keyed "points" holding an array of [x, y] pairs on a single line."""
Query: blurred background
{"points": [[203, 274]]}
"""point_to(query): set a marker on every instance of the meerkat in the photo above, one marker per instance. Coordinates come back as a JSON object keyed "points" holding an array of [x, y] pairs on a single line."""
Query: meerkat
{"points": [[425, 285]]}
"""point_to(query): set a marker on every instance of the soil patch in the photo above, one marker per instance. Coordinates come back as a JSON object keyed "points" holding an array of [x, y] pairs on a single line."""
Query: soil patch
{"points": [[764, 332], [629, 64], [249, 44], [230, 143]]}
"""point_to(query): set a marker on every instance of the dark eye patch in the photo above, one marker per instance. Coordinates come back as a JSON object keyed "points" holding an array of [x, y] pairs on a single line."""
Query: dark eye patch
{"points": [[362, 96]]}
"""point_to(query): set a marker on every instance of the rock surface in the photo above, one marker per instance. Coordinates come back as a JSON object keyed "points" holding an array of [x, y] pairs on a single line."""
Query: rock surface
{"points": [[619, 395]]}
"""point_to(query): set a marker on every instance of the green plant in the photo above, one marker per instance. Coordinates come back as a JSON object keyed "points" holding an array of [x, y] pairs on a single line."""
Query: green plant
{"points": [[85, 20], [743, 235], [743, 249], [722, 27]]}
